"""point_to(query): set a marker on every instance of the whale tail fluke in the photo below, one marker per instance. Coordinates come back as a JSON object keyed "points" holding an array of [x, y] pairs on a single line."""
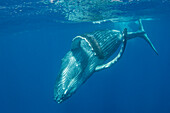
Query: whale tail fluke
{"points": [[142, 34], [145, 37]]}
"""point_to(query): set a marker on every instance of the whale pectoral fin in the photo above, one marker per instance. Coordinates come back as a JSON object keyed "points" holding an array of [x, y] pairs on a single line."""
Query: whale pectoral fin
{"points": [[109, 64]]}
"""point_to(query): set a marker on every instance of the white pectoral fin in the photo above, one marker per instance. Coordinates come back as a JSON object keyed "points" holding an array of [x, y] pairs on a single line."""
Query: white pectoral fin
{"points": [[109, 64]]}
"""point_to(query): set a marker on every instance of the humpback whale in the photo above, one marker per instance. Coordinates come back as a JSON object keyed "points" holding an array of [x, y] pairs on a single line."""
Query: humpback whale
{"points": [[88, 54]]}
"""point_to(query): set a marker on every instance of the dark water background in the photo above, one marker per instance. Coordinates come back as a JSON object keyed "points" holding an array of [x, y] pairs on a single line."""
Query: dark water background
{"points": [[31, 49]]}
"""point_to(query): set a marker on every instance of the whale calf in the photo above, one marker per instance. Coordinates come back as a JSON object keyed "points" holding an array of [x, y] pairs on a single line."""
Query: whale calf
{"points": [[88, 54]]}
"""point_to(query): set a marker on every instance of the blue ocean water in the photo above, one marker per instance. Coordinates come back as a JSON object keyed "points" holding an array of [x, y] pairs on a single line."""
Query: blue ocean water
{"points": [[33, 44]]}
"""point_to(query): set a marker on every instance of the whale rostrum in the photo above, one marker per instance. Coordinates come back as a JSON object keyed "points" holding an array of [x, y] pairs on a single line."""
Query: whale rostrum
{"points": [[88, 54]]}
